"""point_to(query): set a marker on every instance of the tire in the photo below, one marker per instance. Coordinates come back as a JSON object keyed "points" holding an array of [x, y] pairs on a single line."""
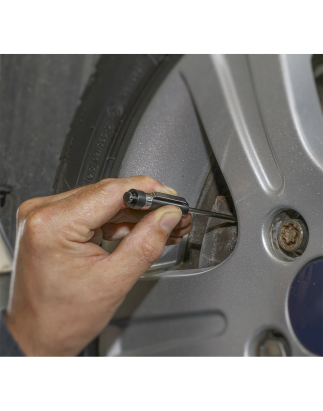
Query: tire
{"points": [[111, 106]]}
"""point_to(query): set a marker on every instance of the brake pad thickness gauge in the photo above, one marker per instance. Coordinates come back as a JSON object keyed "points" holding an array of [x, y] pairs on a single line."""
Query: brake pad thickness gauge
{"points": [[151, 201]]}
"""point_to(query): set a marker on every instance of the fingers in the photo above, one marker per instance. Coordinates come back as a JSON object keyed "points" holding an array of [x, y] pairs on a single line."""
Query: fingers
{"points": [[145, 243], [129, 215], [174, 240], [184, 221], [113, 232], [180, 232], [96, 204], [97, 236], [133, 216], [177, 234], [116, 231], [127, 219]]}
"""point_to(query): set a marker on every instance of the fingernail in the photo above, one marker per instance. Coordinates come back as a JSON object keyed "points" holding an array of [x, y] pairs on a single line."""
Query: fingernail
{"points": [[169, 221], [170, 189]]}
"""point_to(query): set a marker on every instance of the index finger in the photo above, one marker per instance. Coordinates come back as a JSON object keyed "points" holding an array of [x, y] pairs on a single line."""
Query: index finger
{"points": [[96, 204], [131, 215]]}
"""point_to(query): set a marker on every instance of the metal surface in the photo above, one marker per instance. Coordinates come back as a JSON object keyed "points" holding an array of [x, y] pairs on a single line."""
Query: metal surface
{"points": [[212, 214], [272, 348], [148, 202], [220, 238], [263, 120], [279, 241], [269, 343], [292, 235]]}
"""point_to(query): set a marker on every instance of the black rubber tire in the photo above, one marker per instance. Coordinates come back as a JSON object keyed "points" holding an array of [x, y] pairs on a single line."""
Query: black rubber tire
{"points": [[111, 107]]}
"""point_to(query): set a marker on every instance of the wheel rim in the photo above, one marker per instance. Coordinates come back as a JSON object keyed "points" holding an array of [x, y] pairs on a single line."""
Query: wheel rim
{"points": [[270, 150]]}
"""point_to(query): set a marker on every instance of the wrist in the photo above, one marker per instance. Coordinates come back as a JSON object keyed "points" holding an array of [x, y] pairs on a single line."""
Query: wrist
{"points": [[21, 334]]}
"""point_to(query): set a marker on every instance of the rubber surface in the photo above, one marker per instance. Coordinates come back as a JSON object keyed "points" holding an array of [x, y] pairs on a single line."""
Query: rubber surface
{"points": [[111, 107], [38, 98]]}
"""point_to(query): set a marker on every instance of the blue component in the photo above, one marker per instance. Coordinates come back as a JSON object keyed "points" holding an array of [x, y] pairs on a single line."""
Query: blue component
{"points": [[305, 306]]}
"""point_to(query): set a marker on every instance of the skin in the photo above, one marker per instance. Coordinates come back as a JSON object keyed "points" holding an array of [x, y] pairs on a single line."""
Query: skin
{"points": [[65, 288]]}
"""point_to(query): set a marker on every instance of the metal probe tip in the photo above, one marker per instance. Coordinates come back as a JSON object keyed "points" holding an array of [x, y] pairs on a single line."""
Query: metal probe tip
{"points": [[212, 214]]}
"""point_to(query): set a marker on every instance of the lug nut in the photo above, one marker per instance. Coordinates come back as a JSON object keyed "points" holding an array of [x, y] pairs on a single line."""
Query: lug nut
{"points": [[273, 345], [292, 235], [269, 343]]}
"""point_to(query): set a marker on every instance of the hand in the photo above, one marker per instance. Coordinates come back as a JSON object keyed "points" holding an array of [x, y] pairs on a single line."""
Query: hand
{"points": [[65, 287]]}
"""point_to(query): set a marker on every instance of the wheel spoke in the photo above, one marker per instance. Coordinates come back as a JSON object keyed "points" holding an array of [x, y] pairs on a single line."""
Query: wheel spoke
{"points": [[291, 111], [222, 91]]}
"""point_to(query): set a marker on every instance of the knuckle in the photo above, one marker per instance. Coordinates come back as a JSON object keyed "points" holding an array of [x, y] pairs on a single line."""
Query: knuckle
{"points": [[104, 183], [36, 220], [146, 180], [102, 187], [24, 209]]}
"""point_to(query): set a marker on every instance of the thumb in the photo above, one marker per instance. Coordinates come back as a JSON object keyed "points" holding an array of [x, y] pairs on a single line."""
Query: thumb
{"points": [[144, 244]]}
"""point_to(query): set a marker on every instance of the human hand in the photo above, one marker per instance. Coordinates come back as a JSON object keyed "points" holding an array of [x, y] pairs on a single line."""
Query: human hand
{"points": [[65, 287]]}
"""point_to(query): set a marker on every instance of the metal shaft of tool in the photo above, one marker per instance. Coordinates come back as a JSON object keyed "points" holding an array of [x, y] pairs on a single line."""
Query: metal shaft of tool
{"points": [[211, 214]]}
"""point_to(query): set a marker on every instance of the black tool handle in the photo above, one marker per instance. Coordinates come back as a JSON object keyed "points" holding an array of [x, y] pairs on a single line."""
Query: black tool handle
{"points": [[140, 200]]}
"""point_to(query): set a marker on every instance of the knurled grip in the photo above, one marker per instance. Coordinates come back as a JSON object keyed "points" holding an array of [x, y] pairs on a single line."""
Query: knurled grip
{"points": [[140, 200]]}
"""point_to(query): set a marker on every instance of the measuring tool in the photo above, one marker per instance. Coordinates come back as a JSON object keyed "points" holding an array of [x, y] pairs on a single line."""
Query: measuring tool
{"points": [[151, 201]]}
